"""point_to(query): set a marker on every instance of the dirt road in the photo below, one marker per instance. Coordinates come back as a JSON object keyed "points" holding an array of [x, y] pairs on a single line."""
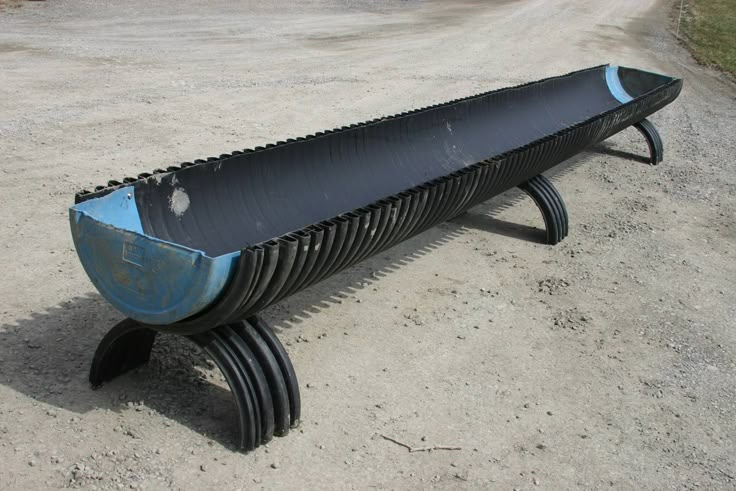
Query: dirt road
{"points": [[608, 360]]}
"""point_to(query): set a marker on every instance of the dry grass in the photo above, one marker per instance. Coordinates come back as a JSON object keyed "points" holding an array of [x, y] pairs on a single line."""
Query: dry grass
{"points": [[14, 4], [9, 4], [709, 27]]}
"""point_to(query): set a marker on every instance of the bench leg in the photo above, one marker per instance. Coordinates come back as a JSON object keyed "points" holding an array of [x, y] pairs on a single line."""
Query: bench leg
{"points": [[550, 203], [248, 353], [125, 347], [654, 141]]}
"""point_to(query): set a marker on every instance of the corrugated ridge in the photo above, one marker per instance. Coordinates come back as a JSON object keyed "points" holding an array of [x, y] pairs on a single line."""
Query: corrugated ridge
{"points": [[272, 270]]}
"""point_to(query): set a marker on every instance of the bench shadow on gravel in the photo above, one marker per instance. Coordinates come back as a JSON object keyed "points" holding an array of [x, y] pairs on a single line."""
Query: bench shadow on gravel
{"points": [[47, 356]]}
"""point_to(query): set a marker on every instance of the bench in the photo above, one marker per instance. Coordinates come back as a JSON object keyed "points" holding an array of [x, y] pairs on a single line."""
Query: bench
{"points": [[199, 249]]}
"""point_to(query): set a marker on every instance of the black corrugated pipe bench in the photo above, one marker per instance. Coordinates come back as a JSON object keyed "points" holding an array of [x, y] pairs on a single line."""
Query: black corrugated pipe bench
{"points": [[199, 249]]}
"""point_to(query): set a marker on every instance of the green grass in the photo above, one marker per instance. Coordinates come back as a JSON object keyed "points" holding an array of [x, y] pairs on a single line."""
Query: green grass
{"points": [[710, 28]]}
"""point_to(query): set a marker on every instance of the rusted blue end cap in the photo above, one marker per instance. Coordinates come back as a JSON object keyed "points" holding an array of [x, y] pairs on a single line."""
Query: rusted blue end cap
{"points": [[147, 279]]}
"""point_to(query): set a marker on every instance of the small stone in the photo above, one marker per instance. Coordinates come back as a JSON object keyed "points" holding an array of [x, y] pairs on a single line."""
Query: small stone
{"points": [[549, 413], [535, 481], [275, 465], [203, 468]]}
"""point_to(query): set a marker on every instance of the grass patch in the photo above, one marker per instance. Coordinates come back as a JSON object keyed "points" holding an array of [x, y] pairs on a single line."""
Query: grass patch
{"points": [[14, 4], [710, 29]]}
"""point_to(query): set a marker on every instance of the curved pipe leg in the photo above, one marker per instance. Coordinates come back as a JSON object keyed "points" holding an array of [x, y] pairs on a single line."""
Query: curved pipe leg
{"points": [[654, 140], [125, 347], [253, 361], [226, 350], [260, 375], [287, 369], [550, 203]]}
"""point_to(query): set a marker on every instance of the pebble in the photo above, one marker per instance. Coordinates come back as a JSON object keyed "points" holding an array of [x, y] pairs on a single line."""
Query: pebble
{"points": [[275, 465]]}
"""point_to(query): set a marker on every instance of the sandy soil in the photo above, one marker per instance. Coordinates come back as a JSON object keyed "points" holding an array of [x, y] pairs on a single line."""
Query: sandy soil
{"points": [[606, 361]]}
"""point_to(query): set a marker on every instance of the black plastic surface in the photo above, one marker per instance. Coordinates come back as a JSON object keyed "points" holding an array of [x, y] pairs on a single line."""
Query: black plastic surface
{"points": [[248, 353], [550, 203], [654, 141], [304, 209]]}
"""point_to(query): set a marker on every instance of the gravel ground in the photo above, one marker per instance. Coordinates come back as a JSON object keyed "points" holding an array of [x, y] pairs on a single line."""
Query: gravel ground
{"points": [[606, 361]]}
